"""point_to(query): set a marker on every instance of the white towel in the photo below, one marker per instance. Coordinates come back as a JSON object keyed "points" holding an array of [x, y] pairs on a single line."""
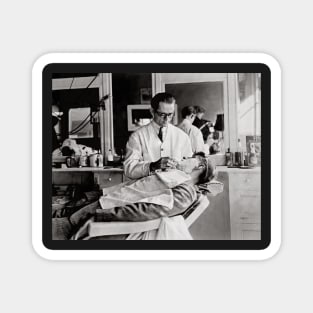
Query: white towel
{"points": [[151, 189], [171, 228]]}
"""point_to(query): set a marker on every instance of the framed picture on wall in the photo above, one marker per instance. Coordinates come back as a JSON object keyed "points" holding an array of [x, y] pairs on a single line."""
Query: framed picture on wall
{"points": [[145, 95], [138, 115]]}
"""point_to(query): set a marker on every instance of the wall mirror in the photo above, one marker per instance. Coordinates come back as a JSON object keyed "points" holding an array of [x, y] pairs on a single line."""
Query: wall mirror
{"points": [[235, 95], [208, 95], [77, 96], [208, 90], [249, 112]]}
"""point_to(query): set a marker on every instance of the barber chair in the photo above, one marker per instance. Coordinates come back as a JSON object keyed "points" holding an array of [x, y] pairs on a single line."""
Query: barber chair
{"points": [[98, 229]]}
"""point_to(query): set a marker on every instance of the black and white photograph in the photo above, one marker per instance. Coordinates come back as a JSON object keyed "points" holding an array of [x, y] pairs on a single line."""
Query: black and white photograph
{"points": [[156, 156]]}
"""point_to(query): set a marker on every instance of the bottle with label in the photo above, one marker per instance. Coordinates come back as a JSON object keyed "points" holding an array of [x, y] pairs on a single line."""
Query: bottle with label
{"points": [[110, 157], [99, 159], [253, 159], [242, 154], [239, 155], [229, 158]]}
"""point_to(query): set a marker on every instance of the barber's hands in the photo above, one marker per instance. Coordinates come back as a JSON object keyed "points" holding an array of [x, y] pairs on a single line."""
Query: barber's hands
{"points": [[163, 164]]}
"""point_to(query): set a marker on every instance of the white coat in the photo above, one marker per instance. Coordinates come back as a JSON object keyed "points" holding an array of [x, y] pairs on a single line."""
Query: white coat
{"points": [[144, 147], [195, 135]]}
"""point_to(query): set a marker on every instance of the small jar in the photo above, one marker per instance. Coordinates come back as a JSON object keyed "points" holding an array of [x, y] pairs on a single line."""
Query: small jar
{"points": [[71, 162], [83, 161], [238, 158]]}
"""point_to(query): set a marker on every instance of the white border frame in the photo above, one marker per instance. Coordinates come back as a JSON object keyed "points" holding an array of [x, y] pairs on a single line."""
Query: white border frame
{"points": [[154, 57]]}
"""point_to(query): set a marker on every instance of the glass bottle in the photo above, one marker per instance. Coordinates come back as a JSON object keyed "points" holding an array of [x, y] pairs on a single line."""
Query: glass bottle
{"points": [[228, 155], [122, 156], [239, 155], [110, 157], [99, 159]]}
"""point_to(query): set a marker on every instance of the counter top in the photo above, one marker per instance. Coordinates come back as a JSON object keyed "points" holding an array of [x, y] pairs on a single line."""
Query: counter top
{"points": [[88, 169], [119, 169], [256, 169]]}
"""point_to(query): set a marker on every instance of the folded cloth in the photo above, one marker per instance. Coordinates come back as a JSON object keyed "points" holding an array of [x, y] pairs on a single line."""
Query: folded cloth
{"points": [[173, 228]]}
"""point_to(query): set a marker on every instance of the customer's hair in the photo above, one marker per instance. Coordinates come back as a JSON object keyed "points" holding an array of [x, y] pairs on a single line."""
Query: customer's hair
{"points": [[199, 109], [209, 172], [186, 111], [161, 97]]}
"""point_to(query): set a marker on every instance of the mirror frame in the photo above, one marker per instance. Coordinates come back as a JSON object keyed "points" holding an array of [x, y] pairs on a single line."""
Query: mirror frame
{"points": [[230, 96], [104, 83]]}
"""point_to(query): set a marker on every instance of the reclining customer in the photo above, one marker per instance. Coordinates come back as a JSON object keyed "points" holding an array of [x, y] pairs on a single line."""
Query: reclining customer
{"points": [[165, 193]]}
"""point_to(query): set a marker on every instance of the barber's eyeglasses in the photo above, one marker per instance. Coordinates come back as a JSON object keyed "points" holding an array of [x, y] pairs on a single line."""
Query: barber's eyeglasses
{"points": [[165, 115]]}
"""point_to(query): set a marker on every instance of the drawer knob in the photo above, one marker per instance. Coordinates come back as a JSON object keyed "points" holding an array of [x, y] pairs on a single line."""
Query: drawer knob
{"points": [[109, 179]]}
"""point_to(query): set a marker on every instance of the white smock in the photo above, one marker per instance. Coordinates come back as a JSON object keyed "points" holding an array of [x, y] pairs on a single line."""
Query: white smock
{"points": [[195, 135], [144, 147]]}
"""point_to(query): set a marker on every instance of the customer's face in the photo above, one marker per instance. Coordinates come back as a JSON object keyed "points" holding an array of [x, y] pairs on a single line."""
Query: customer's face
{"points": [[200, 115], [164, 114]]}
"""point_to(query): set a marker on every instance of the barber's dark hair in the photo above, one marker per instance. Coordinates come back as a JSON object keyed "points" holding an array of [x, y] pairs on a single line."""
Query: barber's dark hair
{"points": [[199, 109], [186, 111], [161, 97]]}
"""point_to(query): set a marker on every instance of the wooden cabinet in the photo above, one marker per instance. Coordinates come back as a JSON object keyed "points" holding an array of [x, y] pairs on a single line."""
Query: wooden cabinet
{"points": [[235, 213], [108, 178], [245, 204], [87, 176]]}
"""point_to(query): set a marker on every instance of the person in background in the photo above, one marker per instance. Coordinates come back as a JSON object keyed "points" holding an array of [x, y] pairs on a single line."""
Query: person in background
{"points": [[158, 145], [194, 133], [201, 123], [56, 117]]}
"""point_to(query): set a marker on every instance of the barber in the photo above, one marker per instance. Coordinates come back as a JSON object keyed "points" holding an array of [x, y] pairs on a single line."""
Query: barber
{"points": [[201, 123], [158, 145], [189, 114]]}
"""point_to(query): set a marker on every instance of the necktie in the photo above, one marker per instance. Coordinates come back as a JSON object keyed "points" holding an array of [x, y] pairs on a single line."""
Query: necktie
{"points": [[160, 135]]}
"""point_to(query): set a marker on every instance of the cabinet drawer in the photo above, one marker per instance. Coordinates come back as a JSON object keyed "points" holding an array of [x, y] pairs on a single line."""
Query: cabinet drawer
{"points": [[70, 178], [246, 231], [108, 179], [250, 205], [246, 181], [246, 207]]}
